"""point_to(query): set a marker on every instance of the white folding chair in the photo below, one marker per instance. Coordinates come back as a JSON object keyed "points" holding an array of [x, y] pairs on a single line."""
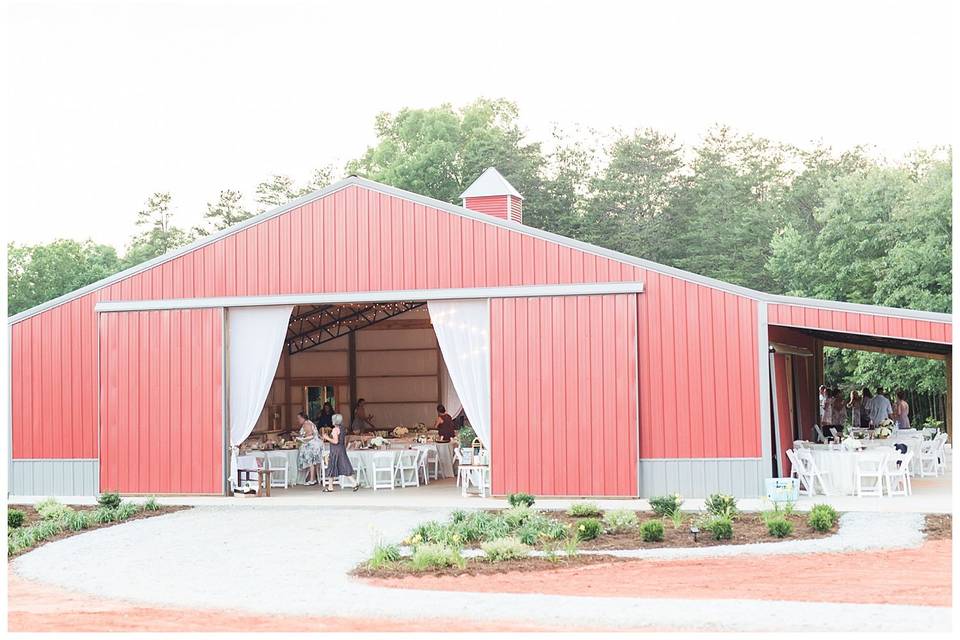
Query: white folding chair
{"points": [[809, 473], [432, 462], [929, 457], [278, 461], [940, 446], [406, 469], [834, 433], [422, 466], [897, 474], [382, 469], [819, 432], [356, 461], [871, 466]]}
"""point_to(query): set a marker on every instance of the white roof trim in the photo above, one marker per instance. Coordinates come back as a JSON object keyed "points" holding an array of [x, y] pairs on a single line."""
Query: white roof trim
{"points": [[490, 183], [376, 296], [487, 219]]}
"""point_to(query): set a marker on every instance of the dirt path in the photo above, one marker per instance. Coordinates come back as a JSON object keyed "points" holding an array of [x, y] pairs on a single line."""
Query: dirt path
{"points": [[910, 576], [34, 606]]}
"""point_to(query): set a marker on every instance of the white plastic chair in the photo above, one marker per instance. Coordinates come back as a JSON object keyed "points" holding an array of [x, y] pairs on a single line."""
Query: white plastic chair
{"points": [[819, 432], [279, 461], [406, 469], [897, 476], [872, 466], [808, 473], [382, 469], [931, 456]]}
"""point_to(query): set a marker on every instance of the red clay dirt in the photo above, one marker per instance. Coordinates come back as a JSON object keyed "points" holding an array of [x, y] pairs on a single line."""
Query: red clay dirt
{"points": [[919, 576], [34, 606]]}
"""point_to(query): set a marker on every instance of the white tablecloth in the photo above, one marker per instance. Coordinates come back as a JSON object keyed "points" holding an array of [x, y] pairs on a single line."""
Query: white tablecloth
{"points": [[839, 468], [294, 475]]}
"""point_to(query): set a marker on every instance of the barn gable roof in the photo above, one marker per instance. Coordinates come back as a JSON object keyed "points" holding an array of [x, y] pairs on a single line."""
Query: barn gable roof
{"points": [[486, 219]]}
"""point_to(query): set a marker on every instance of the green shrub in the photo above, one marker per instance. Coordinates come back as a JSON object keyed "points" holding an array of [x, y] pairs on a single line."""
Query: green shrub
{"points": [[779, 527], [126, 510], [50, 509], [677, 518], [516, 516], [822, 518], [479, 526], [151, 504], [588, 529], [103, 515], [457, 516], [384, 555], [110, 500], [720, 527], [431, 531], [47, 529], [620, 521], [584, 510], [15, 518], [651, 531], [505, 549], [665, 506], [720, 504], [520, 499], [539, 527], [77, 520], [435, 556]]}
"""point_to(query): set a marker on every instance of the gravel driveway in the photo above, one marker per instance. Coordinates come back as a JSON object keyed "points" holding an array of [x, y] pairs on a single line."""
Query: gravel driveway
{"points": [[219, 557]]}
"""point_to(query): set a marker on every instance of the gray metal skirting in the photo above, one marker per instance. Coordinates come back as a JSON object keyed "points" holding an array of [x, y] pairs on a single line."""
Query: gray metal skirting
{"points": [[51, 477], [699, 477]]}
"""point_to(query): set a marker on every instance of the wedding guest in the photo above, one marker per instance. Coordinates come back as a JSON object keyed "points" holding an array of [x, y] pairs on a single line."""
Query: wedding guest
{"points": [[362, 421], [326, 415], [310, 455], [901, 411], [823, 403], [839, 409], [444, 424], [826, 411], [865, 396], [855, 405], [879, 409], [339, 464]]}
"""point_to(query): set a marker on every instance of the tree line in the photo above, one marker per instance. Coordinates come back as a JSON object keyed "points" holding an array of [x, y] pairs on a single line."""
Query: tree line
{"points": [[839, 225]]}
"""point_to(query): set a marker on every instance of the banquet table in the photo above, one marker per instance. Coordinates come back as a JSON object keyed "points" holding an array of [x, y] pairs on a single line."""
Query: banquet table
{"points": [[295, 476], [838, 466]]}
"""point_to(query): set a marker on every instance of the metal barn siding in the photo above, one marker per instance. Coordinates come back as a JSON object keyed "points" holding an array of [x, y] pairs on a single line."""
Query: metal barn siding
{"points": [[496, 206], [564, 395], [699, 377], [394, 243], [161, 401], [868, 323]]}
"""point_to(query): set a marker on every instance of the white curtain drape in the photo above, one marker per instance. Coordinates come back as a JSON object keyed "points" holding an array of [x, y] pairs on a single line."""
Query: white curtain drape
{"points": [[256, 337], [450, 399], [463, 331]]}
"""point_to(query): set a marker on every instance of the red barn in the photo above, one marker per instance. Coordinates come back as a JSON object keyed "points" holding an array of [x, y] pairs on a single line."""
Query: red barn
{"points": [[586, 372]]}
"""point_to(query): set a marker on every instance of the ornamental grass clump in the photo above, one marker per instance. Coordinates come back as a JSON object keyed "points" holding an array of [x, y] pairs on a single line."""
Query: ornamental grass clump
{"points": [[15, 518], [516, 516], [126, 510], [651, 531], [721, 504], [721, 527], [589, 529], [435, 556], [384, 555], [620, 521], [103, 515], [539, 527], [50, 509], [77, 520], [520, 499], [151, 504], [511, 548], [583, 510], [666, 506], [822, 518], [779, 527]]}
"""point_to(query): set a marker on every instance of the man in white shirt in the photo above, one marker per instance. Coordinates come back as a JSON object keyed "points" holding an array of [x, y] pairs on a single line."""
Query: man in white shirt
{"points": [[878, 408]]}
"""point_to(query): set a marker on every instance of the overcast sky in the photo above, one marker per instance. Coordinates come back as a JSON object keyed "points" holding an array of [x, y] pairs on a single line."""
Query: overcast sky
{"points": [[110, 102]]}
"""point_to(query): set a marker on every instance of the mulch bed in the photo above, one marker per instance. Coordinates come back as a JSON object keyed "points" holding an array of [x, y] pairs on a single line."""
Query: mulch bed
{"points": [[32, 517], [938, 527], [479, 567], [747, 529]]}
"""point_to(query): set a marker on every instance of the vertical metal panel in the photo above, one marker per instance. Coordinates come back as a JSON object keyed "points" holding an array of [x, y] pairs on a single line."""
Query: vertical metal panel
{"points": [[699, 477], [54, 477], [564, 389], [159, 364]]}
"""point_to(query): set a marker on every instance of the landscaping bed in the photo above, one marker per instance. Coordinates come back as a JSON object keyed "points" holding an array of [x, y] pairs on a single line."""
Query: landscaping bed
{"points": [[57, 527], [481, 566], [938, 526]]}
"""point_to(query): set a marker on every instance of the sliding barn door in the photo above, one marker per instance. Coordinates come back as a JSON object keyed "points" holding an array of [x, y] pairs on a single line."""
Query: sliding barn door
{"points": [[564, 395], [161, 401]]}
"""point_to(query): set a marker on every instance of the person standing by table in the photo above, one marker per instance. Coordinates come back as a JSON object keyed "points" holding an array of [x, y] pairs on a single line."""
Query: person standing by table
{"points": [[855, 405], [865, 399], [824, 401], [339, 463], [444, 424], [362, 421], [325, 419], [901, 411], [310, 455]]}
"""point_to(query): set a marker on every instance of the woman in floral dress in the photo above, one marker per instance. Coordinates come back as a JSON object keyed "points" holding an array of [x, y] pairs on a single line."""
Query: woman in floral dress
{"points": [[310, 455]]}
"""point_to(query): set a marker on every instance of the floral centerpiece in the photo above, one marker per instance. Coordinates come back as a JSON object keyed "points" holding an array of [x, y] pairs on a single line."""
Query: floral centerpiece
{"points": [[421, 428], [377, 442], [885, 429], [399, 432]]}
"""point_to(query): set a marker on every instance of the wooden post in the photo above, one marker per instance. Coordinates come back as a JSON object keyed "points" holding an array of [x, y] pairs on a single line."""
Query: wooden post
{"points": [[287, 411], [948, 417], [352, 359]]}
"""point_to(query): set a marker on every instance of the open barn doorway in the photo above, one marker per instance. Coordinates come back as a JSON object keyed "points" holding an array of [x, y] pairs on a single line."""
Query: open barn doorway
{"points": [[377, 370]]}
